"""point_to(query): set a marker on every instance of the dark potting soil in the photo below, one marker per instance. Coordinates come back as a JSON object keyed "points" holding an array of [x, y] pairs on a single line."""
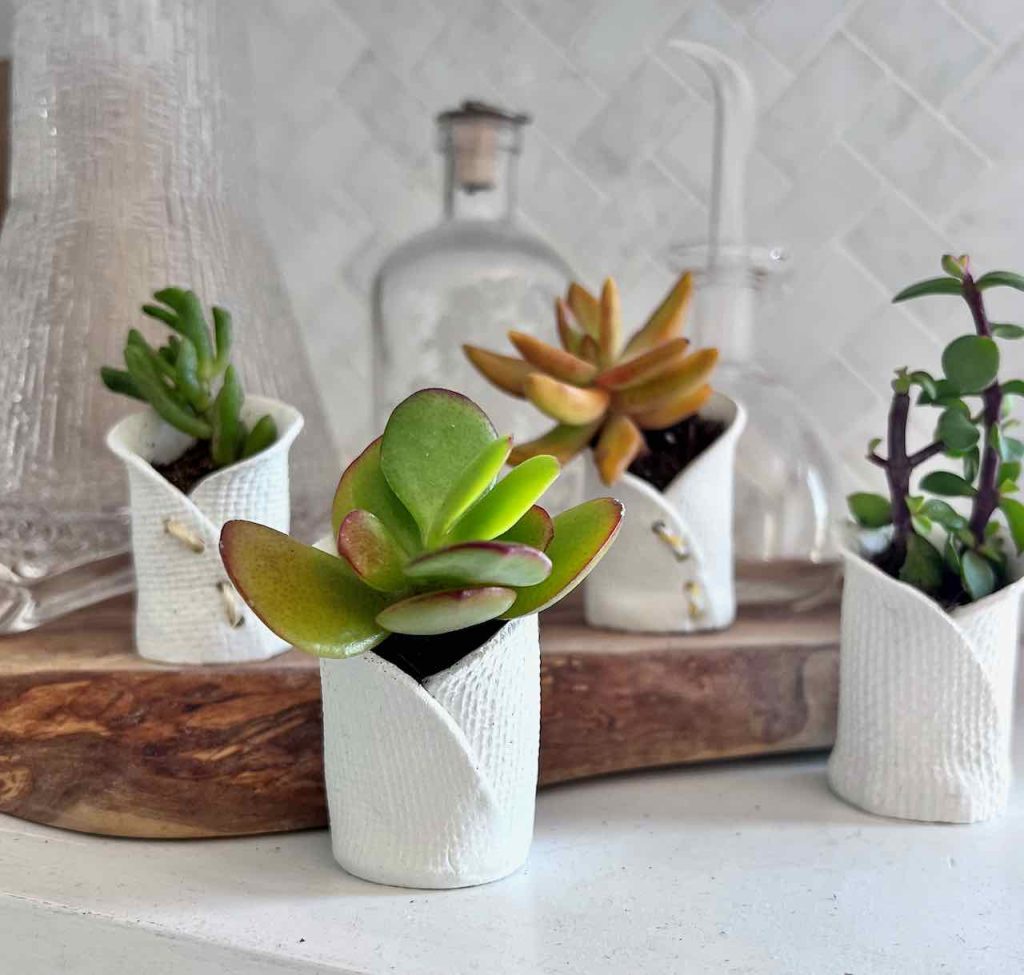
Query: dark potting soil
{"points": [[189, 469], [670, 450], [423, 656]]}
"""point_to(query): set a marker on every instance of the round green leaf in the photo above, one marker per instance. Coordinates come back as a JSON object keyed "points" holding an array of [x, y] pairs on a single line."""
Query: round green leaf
{"points": [[971, 362], [947, 484], [444, 612], [870, 510], [430, 440], [956, 430], [370, 549], [922, 568], [482, 563]]}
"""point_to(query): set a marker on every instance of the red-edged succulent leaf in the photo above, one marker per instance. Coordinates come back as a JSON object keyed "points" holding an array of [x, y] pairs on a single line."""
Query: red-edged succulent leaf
{"points": [[582, 536], [570, 338], [507, 502], [430, 439], [645, 366], [586, 309], [481, 564], [667, 320], [618, 446], [503, 371], [443, 612], [363, 486], [686, 376], [372, 552], [307, 597], [675, 410], [565, 403], [534, 529], [471, 484], [562, 442], [555, 362], [610, 338]]}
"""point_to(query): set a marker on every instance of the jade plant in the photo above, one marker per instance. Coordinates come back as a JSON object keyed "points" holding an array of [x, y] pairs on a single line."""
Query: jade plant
{"points": [[428, 538], [600, 389], [180, 379], [954, 552]]}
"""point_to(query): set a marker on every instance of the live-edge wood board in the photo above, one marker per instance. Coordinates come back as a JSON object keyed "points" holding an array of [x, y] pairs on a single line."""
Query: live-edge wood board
{"points": [[93, 738]]}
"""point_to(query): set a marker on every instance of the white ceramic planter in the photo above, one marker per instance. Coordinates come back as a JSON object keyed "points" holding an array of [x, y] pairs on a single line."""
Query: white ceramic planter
{"points": [[433, 784], [671, 568], [925, 700], [186, 611]]}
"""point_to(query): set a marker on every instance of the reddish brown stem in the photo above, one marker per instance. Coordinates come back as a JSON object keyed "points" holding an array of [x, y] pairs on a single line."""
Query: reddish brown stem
{"points": [[986, 500]]}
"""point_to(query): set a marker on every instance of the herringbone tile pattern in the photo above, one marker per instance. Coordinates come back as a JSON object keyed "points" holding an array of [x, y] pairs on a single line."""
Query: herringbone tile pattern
{"points": [[889, 131]]}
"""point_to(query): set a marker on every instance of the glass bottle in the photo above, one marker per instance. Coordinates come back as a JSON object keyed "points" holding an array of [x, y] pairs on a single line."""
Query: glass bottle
{"points": [[471, 278], [786, 496], [126, 176]]}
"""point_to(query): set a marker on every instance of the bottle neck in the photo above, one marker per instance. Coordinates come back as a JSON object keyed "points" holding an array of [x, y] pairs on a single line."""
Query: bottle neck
{"points": [[480, 189], [724, 316]]}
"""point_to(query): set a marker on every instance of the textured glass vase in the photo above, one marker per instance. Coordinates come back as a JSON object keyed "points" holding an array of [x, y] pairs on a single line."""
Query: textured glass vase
{"points": [[127, 175]]}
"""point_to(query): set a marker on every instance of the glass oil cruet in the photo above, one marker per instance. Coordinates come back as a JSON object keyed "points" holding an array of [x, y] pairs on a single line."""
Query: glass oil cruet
{"points": [[785, 482], [125, 178], [469, 279]]}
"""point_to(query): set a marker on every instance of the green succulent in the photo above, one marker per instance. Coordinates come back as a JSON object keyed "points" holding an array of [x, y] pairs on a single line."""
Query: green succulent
{"points": [[179, 378], [429, 540]]}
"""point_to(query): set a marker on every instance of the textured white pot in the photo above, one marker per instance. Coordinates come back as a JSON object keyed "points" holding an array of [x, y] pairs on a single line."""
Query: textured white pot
{"points": [[925, 700], [186, 610], [671, 568], [433, 784]]}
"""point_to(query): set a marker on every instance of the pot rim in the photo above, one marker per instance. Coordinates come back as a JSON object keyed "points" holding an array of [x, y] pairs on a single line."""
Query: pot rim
{"points": [[290, 428], [1016, 588]]}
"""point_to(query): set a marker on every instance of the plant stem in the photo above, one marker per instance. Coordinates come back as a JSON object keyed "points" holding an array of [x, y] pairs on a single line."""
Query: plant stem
{"points": [[897, 473], [986, 500]]}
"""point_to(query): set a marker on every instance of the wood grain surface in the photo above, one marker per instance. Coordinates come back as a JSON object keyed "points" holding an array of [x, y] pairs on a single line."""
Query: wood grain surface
{"points": [[94, 738]]}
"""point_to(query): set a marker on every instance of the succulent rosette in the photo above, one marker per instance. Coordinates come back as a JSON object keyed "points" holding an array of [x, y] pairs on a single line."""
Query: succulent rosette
{"points": [[600, 389], [429, 538]]}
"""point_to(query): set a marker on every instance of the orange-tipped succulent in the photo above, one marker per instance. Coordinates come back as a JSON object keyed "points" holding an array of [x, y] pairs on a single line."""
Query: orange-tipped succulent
{"points": [[598, 386]]}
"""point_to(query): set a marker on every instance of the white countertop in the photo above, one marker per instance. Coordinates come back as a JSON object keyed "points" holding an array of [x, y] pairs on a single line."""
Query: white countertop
{"points": [[743, 867]]}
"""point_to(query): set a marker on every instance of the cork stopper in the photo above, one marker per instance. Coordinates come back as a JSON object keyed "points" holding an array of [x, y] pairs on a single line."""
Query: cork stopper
{"points": [[475, 133]]}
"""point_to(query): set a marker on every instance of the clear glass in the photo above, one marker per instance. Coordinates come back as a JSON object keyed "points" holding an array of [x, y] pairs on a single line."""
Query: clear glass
{"points": [[127, 175], [785, 479], [469, 279]]}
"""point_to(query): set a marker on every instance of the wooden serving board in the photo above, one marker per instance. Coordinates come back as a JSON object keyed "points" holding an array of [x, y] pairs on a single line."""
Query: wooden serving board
{"points": [[93, 738]]}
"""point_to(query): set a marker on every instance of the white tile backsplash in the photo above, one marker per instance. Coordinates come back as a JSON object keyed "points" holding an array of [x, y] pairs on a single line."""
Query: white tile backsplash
{"points": [[888, 132]]}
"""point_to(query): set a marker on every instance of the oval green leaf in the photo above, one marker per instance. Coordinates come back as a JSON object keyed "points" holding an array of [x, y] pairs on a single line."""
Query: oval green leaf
{"points": [[363, 487], [444, 612], [498, 510], [923, 565], [372, 552], [977, 575], [1000, 279], [933, 286], [947, 484], [431, 438], [582, 536], [1004, 330], [870, 510], [1013, 512], [944, 514], [482, 563], [307, 597], [534, 529]]}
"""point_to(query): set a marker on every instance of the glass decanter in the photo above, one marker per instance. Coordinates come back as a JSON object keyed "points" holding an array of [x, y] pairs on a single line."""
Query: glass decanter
{"points": [[126, 176], [786, 497], [469, 279]]}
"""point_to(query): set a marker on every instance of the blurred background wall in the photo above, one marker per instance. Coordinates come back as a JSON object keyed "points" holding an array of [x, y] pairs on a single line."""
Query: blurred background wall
{"points": [[889, 132]]}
